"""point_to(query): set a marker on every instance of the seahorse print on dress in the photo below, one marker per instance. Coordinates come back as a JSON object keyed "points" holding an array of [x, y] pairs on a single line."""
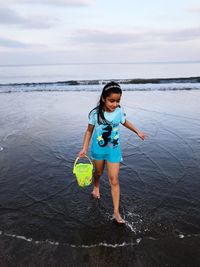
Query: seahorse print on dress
{"points": [[105, 136]]}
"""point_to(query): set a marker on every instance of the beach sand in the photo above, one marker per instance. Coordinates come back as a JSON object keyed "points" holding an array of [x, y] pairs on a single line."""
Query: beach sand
{"points": [[47, 220]]}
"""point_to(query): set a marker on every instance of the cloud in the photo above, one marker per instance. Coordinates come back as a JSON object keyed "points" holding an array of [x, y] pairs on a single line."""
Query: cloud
{"points": [[194, 9], [106, 37], [50, 2], [143, 36], [9, 16], [8, 43], [182, 35], [63, 2]]}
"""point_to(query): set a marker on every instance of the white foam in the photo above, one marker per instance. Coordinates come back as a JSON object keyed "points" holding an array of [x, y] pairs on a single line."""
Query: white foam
{"points": [[18, 237], [131, 226], [1, 148], [138, 240], [133, 222], [55, 243], [103, 244]]}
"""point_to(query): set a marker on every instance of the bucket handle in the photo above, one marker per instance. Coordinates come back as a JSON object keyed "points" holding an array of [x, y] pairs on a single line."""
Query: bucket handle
{"points": [[78, 159]]}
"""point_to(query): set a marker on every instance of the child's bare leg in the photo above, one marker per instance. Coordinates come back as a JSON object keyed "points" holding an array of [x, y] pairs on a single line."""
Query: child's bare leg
{"points": [[113, 174], [99, 167]]}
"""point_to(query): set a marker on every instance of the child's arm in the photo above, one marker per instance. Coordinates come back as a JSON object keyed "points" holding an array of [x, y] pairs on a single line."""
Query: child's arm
{"points": [[86, 140], [131, 127]]}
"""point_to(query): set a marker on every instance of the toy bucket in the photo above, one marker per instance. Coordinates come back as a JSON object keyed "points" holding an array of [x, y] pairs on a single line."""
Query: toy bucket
{"points": [[83, 172]]}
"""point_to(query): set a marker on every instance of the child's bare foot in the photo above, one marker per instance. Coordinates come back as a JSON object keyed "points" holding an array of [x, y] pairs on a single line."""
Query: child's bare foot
{"points": [[118, 218], [95, 193]]}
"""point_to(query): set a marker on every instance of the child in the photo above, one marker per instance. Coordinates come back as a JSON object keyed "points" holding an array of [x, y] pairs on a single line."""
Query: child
{"points": [[103, 127]]}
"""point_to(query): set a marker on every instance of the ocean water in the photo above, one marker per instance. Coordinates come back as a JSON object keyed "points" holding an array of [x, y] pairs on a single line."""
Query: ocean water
{"points": [[47, 220], [91, 77], [55, 73]]}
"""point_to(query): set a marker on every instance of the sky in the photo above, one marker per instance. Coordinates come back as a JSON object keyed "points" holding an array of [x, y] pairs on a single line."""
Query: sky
{"points": [[98, 31]]}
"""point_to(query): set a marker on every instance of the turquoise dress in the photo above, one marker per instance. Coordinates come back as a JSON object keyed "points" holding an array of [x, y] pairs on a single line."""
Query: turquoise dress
{"points": [[106, 137]]}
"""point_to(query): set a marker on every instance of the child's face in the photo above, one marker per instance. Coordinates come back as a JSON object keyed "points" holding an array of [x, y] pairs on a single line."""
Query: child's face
{"points": [[111, 102]]}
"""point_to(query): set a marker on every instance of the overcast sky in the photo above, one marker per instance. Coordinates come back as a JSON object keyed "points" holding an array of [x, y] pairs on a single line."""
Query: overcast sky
{"points": [[78, 31]]}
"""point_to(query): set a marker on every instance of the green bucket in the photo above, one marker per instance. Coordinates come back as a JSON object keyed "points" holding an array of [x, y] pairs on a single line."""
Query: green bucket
{"points": [[83, 172]]}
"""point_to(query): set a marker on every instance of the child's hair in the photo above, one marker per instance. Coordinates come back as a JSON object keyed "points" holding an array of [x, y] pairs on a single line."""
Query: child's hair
{"points": [[109, 88]]}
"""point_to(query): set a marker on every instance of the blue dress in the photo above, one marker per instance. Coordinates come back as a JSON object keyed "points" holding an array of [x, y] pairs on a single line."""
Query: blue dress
{"points": [[106, 137]]}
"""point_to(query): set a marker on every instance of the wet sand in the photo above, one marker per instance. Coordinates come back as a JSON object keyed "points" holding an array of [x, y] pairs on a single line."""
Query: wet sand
{"points": [[47, 220]]}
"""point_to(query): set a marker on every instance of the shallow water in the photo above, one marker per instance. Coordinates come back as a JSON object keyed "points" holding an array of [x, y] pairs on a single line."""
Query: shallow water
{"points": [[45, 214]]}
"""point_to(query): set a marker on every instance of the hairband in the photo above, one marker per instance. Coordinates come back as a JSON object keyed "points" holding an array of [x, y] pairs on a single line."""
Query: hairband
{"points": [[112, 86]]}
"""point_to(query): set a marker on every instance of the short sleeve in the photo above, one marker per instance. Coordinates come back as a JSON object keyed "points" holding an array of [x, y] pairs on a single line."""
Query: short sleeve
{"points": [[92, 117], [123, 116]]}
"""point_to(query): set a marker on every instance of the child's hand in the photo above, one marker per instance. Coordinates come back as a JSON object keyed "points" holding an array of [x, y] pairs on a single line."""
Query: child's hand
{"points": [[142, 135], [82, 153]]}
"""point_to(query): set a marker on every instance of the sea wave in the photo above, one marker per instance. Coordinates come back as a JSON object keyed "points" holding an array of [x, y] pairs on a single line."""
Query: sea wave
{"points": [[56, 243], [88, 246], [96, 85]]}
